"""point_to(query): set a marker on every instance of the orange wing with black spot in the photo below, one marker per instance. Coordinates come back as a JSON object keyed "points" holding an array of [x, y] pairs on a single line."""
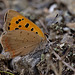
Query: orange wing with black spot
{"points": [[14, 21]]}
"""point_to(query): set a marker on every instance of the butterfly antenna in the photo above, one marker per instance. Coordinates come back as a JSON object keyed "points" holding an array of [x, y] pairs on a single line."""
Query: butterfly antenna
{"points": [[43, 25]]}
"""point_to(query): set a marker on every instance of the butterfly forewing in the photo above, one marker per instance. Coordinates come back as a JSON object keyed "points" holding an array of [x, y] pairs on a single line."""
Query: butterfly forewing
{"points": [[14, 21]]}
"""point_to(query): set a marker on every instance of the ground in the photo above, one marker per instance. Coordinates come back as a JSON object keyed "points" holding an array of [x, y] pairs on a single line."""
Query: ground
{"points": [[56, 18]]}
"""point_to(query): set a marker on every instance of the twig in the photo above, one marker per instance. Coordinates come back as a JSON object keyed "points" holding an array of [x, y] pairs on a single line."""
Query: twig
{"points": [[43, 25], [63, 61], [65, 54], [54, 68], [60, 67]]}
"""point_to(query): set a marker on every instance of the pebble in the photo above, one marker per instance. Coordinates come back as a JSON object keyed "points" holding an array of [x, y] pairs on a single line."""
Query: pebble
{"points": [[66, 29]]}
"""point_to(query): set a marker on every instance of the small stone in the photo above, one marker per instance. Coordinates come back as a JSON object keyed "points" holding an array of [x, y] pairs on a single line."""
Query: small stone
{"points": [[66, 29], [51, 9]]}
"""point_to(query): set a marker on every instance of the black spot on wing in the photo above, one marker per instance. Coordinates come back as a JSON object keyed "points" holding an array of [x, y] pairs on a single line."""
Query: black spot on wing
{"points": [[16, 28], [32, 29], [22, 19], [27, 25], [19, 26], [8, 28], [17, 22], [9, 23], [36, 32]]}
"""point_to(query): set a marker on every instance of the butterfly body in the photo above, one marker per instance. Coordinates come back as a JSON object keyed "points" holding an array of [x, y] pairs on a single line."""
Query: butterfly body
{"points": [[22, 36]]}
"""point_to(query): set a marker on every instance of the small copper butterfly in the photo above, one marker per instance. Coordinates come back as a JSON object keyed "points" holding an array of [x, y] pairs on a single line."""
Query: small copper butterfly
{"points": [[22, 36]]}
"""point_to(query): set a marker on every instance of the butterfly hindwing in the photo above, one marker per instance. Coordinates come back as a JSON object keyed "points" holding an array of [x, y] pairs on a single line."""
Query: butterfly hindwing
{"points": [[20, 42]]}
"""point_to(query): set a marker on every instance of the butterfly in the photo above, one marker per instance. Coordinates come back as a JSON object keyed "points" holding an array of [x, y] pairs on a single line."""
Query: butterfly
{"points": [[20, 36]]}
